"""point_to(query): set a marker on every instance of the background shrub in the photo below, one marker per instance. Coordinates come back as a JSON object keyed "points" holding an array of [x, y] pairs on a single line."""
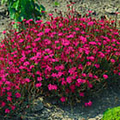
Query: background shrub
{"points": [[24, 9]]}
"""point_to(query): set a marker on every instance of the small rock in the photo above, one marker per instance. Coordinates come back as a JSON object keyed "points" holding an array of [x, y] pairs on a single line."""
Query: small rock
{"points": [[99, 117], [67, 119], [30, 118], [81, 118], [48, 105], [37, 105], [111, 10], [92, 119]]}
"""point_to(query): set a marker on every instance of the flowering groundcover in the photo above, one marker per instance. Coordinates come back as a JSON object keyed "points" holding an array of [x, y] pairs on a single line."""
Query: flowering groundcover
{"points": [[65, 57]]}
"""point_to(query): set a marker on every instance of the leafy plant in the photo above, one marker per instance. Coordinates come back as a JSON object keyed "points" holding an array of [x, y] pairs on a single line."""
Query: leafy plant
{"points": [[112, 114], [24, 9], [56, 3]]}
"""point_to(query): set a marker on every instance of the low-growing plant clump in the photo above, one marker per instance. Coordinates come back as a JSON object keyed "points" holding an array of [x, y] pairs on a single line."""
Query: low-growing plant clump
{"points": [[64, 57], [112, 114]]}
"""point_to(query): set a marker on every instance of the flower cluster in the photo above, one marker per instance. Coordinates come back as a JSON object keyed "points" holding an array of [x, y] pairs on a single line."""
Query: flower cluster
{"points": [[64, 56]]}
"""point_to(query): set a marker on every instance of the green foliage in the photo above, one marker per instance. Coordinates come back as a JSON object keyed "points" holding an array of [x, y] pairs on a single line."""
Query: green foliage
{"points": [[24, 9], [56, 3], [4, 1], [112, 114]]}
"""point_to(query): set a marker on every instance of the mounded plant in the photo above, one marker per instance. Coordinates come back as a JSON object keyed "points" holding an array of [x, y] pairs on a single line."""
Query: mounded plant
{"points": [[112, 114], [64, 57]]}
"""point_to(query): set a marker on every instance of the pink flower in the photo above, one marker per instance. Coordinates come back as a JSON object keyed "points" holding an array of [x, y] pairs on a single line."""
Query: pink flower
{"points": [[80, 66], [79, 80], [62, 67], [105, 76], [91, 58], [63, 99], [83, 39], [90, 75], [88, 104], [9, 93], [65, 42], [95, 76], [72, 87], [84, 74], [27, 80], [112, 61], [48, 22], [60, 74], [87, 52], [90, 11], [17, 87], [8, 88], [77, 84], [92, 43], [28, 21], [47, 30], [69, 79], [32, 66], [60, 25], [21, 40], [40, 34], [54, 75], [38, 21], [38, 85], [81, 94], [88, 63], [50, 14], [39, 78], [47, 41], [9, 98], [26, 63], [37, 39], [18, 95], [38, 73], [7, 110], [70, 36], [97, 65], [52, 87], [102, 55], [77, 29], [90, 85], [63, 82], [4, 32], [72, 70], [3, 104], [90, 23], [22, 59], [80, 50], [12, 107]]}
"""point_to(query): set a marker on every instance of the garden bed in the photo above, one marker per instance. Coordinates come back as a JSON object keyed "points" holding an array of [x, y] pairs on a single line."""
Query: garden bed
{"points": [[108, 98]]}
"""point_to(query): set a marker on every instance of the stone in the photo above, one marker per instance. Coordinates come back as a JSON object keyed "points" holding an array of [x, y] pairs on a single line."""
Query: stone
{"points": [[99, 117], [111, 10], [92, 119], [67, 119], [37, 105]]}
